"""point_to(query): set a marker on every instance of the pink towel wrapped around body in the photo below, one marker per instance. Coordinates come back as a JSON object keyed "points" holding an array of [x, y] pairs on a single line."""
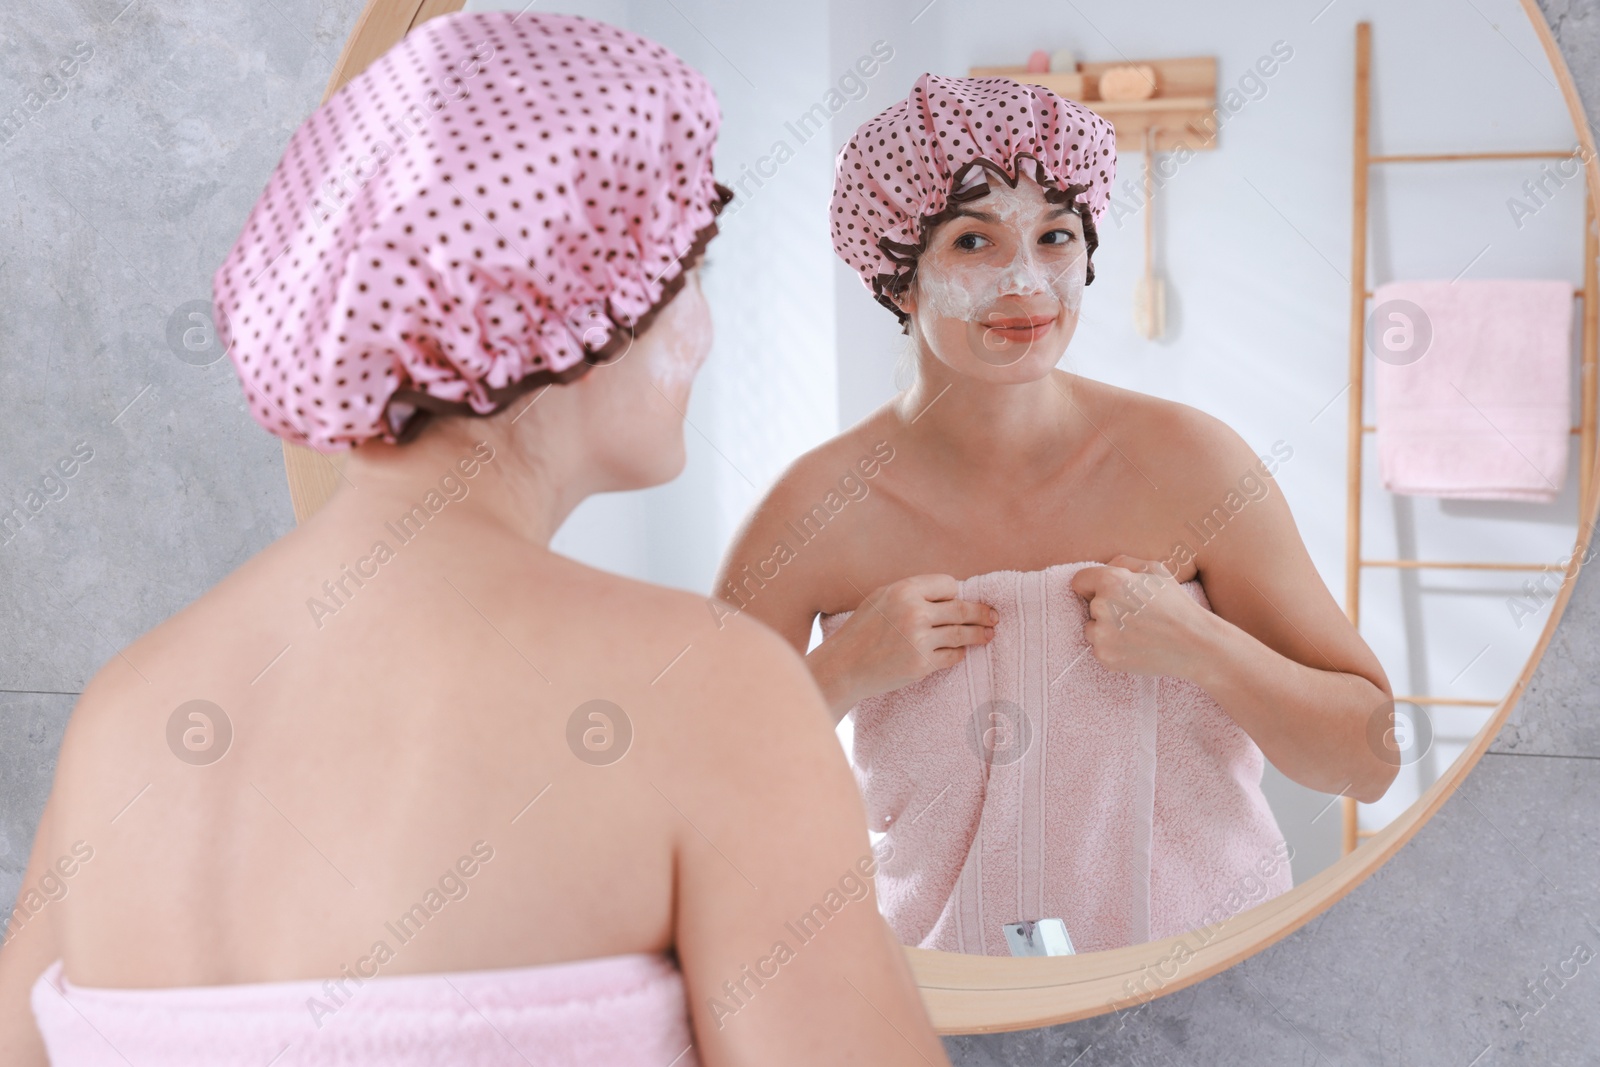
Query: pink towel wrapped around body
{"points": [[627, 1011], [1472, 387], [1029, 781]]}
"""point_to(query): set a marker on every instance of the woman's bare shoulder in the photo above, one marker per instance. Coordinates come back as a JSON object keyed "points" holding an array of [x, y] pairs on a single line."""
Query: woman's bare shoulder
{"points": [[736, 690], [853, 454], [687, 656], [840, 476], [1142, 415], [1184, 449], [727, 645], [690, 634]]}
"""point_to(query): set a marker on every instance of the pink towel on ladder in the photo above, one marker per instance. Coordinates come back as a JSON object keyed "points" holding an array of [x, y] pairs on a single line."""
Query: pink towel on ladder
{"points": [[1129, 806], [626, 1010], [1472, 387]]}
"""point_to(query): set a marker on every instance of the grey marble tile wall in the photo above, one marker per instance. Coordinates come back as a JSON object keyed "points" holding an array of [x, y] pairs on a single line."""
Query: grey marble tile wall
{"points": [[139, 136], [134, 138]]}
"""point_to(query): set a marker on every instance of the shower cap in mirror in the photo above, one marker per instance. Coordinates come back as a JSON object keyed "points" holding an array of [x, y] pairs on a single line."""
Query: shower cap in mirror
{"points": [[906, 168]]}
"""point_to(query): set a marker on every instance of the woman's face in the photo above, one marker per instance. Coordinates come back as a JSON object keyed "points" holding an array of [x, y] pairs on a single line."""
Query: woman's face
{"points": [[679, 341], [640, 421], [998, 288]]}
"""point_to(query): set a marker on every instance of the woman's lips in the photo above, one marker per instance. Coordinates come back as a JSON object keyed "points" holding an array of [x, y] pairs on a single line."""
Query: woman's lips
{"points": [[1021, 329]]}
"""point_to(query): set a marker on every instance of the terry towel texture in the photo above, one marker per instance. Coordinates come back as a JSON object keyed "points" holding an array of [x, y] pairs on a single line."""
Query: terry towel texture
{"points": [[1127, 805], [1484, 411], [620, 1010]]}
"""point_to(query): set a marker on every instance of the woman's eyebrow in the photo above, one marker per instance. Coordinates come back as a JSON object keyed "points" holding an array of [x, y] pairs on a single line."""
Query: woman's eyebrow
{"points": [[984, 216], [973, 213]]}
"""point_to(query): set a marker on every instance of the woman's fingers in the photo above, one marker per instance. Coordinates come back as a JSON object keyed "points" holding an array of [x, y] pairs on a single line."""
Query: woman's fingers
{"points": [[925, 601], [1098, 581], [1125, 578], [961, 636], [956, 624], [961, 612], [926, 587], [907, 629]]}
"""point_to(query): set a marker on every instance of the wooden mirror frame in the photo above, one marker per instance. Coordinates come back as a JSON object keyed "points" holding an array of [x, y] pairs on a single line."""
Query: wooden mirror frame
{"points": [[968, 994]]}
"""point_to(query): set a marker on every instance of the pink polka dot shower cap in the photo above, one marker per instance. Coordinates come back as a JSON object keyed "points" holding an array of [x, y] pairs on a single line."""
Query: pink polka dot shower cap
{"points": [[901, 173], [497, 203]]}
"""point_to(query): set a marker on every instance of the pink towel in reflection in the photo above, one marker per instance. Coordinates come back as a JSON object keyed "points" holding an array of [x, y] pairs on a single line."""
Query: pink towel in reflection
{"points": [[1129, 806], [1472, 387], [617, 1010]]}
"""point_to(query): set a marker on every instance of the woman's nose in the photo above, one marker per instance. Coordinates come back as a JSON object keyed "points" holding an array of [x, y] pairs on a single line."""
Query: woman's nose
{"points": [[1023, 276]]}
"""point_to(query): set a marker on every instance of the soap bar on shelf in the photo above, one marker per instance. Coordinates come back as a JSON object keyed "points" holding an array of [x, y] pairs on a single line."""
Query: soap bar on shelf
{"points": [[1134, 81], [1039, 62]]}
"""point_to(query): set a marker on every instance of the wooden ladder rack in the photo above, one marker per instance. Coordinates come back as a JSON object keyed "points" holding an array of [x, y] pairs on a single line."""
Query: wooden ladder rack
{"points": [[1364, 160]]}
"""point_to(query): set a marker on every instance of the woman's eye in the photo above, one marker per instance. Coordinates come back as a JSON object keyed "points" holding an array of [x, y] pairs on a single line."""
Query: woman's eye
{"points": [[1066, 237], [965, 241]]}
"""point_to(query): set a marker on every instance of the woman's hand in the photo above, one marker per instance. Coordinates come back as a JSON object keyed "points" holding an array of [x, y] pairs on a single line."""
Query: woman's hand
{"points": [[900, 633], [1141, 620]]}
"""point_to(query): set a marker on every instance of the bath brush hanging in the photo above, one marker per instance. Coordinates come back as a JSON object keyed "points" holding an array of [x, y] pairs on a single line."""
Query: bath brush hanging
{"points": [[1149, 294]]}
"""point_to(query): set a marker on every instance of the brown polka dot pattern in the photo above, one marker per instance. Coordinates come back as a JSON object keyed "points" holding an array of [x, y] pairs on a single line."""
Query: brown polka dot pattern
{"points": [[893, 180], [498, 202]]}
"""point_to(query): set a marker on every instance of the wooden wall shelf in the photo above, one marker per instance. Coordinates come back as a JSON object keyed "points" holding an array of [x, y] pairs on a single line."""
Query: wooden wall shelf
{"points": [[1184, 109]]}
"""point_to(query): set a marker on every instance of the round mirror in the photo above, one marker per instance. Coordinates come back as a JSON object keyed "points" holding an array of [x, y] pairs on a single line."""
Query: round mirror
{"points": [[1366, 246]]}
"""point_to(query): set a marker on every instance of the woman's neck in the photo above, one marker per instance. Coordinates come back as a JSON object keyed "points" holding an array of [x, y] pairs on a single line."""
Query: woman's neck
{"points": [[990, 429], [475, 468]]}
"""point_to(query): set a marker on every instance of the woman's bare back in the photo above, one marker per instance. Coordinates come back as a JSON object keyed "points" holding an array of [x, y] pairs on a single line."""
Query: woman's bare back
{"points": [[407, 790], [377, 752]]}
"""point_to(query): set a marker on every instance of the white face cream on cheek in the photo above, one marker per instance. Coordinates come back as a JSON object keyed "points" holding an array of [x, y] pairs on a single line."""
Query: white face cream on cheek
{"points": [[954, 292], [674, 361], [1069, 286]]}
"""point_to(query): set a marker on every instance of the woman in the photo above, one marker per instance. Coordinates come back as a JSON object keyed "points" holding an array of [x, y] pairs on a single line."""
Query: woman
{"points": [[971, 542], [407, 787]]}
